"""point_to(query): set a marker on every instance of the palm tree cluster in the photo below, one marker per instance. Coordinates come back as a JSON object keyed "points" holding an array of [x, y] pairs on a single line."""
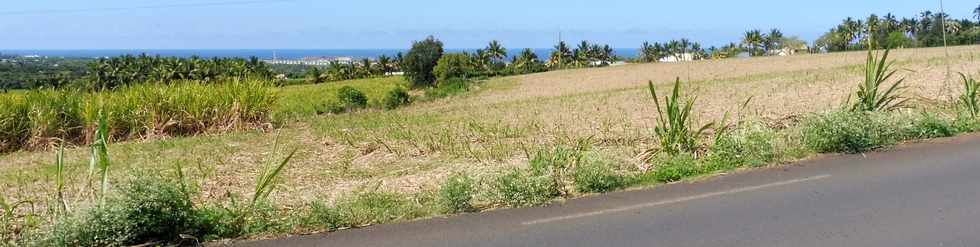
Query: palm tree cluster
{"points": [[679, 49], [365, 68], [108, 73], [758, 43], [924, 30], [584, 55]]}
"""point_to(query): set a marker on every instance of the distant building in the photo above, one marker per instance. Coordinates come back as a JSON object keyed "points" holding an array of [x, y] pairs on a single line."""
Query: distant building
{"points": [[320, 61], [683, 57]]}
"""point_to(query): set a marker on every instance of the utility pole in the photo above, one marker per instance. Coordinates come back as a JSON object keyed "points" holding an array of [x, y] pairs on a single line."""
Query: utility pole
{"points": [[942, 14], [560, 52]]}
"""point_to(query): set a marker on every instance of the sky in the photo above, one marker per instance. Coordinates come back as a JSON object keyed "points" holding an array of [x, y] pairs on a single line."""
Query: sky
{"points": [[393, 24]]}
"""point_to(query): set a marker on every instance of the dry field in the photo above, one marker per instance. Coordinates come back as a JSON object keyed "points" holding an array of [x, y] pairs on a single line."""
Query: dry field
{"points": [[414, 148]]}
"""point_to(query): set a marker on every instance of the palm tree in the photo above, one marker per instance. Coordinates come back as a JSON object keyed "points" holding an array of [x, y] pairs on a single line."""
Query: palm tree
{"points": [[772, 41], [752, 39], [496, 51], [384, 62], [976, 13]]}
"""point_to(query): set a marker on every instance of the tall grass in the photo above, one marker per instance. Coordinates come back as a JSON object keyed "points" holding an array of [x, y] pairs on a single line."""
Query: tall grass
{"points": [[40, 118], [873, 94], [674, 123]]}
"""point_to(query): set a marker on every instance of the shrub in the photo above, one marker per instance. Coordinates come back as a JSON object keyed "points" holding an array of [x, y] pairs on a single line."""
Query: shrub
{"points": [[523, 188], [456, 194], [454, 65], [419, 62], [348, 99], [849, 132], [376, 208], [597, 176], [351, 98], [672, 168], [395, 98], [147, 210]]}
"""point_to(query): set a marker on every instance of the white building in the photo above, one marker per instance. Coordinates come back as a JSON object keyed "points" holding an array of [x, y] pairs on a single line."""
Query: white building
{"points": [[683, 57]]}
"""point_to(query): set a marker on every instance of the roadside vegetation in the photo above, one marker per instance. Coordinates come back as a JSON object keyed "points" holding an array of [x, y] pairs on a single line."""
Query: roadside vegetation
{"points": [[105, 206]]}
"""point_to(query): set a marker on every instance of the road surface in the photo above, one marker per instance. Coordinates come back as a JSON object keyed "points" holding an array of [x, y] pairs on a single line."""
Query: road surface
{"points": [[925, 194]]}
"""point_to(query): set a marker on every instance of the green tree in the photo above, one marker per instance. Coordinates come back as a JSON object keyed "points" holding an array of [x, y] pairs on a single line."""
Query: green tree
{"points": [[419, 62], [453, 65]]}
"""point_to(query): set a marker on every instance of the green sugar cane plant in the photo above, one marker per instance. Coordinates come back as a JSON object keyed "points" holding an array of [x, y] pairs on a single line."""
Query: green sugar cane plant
{"points": [[873, 94], [969, 99], [100, 157], [674, 122], [59, 168]]}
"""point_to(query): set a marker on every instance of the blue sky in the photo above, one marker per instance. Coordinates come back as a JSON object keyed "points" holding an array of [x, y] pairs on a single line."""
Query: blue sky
{"points": [[362, 24]]}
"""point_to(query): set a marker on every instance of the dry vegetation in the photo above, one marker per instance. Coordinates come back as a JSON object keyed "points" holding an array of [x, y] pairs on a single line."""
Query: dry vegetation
{"points": [[415, 148]]}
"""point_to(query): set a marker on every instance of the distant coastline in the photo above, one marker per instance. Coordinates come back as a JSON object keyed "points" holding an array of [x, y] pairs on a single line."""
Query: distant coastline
{"points": [[265, 54]]}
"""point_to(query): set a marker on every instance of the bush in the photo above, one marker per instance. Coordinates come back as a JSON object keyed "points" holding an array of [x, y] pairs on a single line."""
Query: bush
{"points": [[597, 176], [456, 194], [931, 126], [448, 88], [523, 188], [673, 168], [451, 66], [395, 98], [351, 98], [147, 210], [752, 146], [348, 99], [848, 132], [376, 208], [419, 62], [321, 217]]}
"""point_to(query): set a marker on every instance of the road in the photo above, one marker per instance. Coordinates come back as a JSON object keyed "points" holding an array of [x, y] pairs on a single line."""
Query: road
{"points": [[925, 194]]}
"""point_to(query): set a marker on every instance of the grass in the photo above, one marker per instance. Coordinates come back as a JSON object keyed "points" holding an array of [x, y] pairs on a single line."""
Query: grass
{"points": [[494, 133]]}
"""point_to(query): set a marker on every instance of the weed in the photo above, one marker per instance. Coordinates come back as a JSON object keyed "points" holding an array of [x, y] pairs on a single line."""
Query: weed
{"points": [[524, 188], [456, 194], [748, 146], [969, 100], [395, 98], [877, 72], [448, 88], [321, 216], [596, 175], [849, 132], [672, 168], [930, 125], [674, 122], [376, 208], [146, 211]]}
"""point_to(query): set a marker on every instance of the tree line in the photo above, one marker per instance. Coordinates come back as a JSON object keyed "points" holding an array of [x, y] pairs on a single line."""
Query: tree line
{"points": [[925, 30], [426, 65], [109, 73]]}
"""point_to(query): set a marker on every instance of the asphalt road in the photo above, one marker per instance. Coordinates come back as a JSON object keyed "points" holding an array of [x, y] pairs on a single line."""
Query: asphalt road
{"points": [[925, 194]]}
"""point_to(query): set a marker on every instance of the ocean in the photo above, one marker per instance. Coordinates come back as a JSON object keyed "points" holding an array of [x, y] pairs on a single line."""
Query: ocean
{"points": [[542, 53]]}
